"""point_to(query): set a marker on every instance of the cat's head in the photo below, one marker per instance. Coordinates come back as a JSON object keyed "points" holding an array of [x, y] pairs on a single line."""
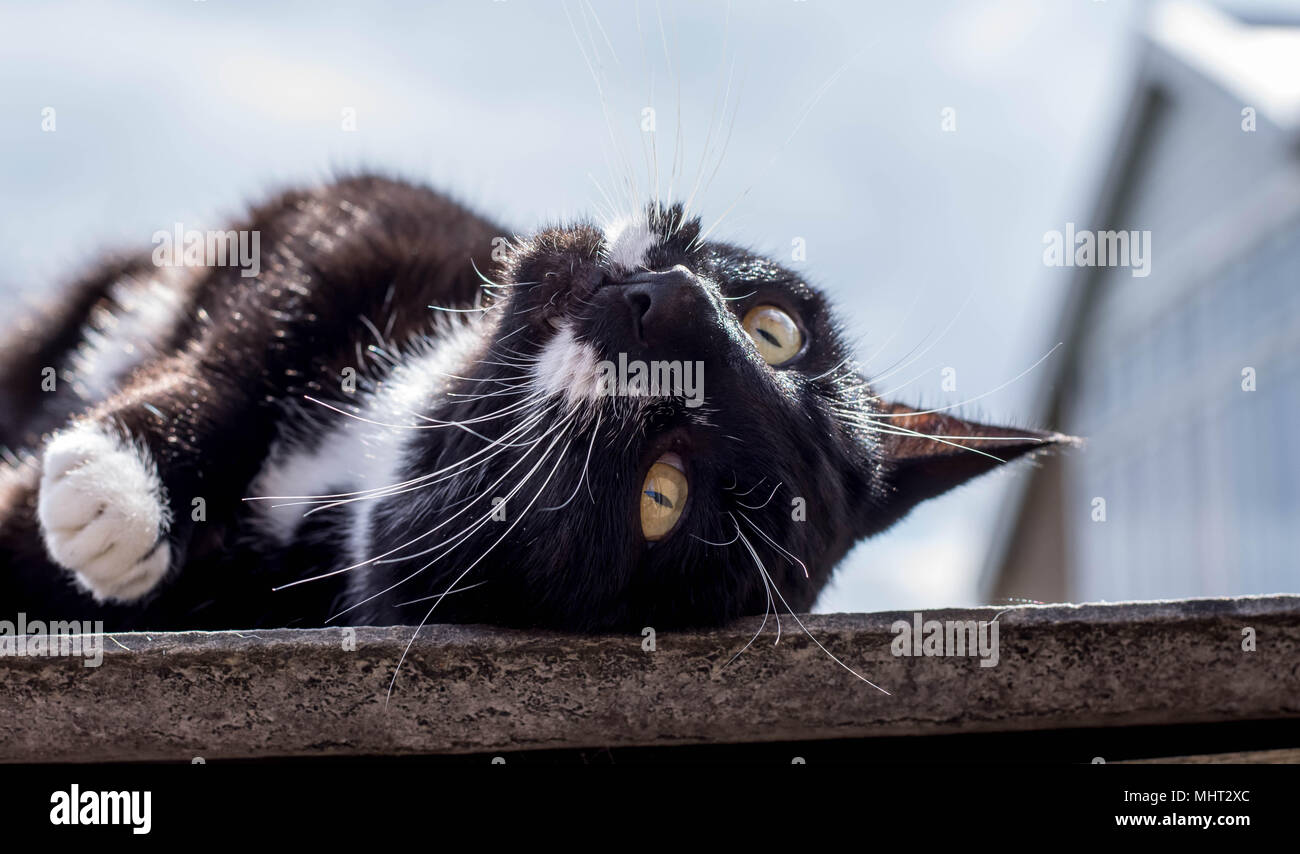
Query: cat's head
{"points": [[668, 431]]}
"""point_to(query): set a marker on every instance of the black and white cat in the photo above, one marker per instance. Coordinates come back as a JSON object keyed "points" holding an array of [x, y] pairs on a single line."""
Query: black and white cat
{"points": [[428, 432]]}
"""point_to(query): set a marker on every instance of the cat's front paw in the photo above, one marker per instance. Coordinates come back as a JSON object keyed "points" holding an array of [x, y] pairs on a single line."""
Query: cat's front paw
{"points": [[103, 513]]}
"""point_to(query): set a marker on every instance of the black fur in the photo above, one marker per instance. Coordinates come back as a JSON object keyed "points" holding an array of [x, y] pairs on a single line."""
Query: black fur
{"points": [[233, 377]]}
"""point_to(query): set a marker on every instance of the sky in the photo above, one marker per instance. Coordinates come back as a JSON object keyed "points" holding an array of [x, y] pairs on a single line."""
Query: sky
{"points": [[833, 113]]}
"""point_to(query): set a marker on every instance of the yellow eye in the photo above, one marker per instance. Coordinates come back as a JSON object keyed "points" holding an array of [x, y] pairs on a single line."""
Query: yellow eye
{"points": [[774, 333], [663, 495]]}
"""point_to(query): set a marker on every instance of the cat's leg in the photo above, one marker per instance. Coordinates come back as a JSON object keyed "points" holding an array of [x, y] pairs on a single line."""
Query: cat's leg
{"points": [[104, 511], [40, 343], [118, 487]]}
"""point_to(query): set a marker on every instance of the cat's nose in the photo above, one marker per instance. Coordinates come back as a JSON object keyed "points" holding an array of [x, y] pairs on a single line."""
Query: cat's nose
{"points": [[662, 303]]}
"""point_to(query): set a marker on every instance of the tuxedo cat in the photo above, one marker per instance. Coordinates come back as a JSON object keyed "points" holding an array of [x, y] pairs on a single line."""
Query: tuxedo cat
{"points": [[404, 416]]}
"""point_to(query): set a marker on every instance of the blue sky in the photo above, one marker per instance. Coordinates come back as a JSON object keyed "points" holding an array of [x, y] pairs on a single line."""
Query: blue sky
{"points": [[186, 111]]}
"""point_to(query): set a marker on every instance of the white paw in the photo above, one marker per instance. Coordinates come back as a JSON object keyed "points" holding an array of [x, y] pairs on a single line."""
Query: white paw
{"points": [[103, 513]]}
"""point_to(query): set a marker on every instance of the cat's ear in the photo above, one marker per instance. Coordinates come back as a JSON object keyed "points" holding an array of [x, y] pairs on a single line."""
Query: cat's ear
{"points": [[928, 453]]}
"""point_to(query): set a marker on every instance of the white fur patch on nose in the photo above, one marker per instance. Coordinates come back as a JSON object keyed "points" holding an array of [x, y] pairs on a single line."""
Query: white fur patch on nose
{"points": [[566, 366], [628, 242]]}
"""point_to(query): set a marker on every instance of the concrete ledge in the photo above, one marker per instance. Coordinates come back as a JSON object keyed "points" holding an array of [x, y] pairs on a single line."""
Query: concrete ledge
{"points": [[481, 689]]}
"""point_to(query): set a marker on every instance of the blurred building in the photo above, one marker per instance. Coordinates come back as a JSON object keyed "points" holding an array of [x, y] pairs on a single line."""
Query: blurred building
{"points": [[1200, 477]]}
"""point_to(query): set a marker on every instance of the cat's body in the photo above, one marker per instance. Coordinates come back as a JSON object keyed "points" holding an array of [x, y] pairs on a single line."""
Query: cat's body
{"points": [[469, 447], [228, 362]]}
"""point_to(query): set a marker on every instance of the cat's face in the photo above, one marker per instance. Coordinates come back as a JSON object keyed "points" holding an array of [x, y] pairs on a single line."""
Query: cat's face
{"points": [[674, 433]]}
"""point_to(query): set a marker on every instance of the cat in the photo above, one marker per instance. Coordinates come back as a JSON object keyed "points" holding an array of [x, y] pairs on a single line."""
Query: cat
{"points": [[406, 417]]}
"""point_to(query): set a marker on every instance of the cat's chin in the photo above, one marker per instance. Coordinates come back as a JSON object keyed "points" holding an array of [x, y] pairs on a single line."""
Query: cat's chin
{"points": [[566, 367]]}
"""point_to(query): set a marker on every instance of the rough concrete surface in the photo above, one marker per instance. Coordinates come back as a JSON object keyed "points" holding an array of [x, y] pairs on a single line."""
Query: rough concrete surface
{"points": [[483, 689]]}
